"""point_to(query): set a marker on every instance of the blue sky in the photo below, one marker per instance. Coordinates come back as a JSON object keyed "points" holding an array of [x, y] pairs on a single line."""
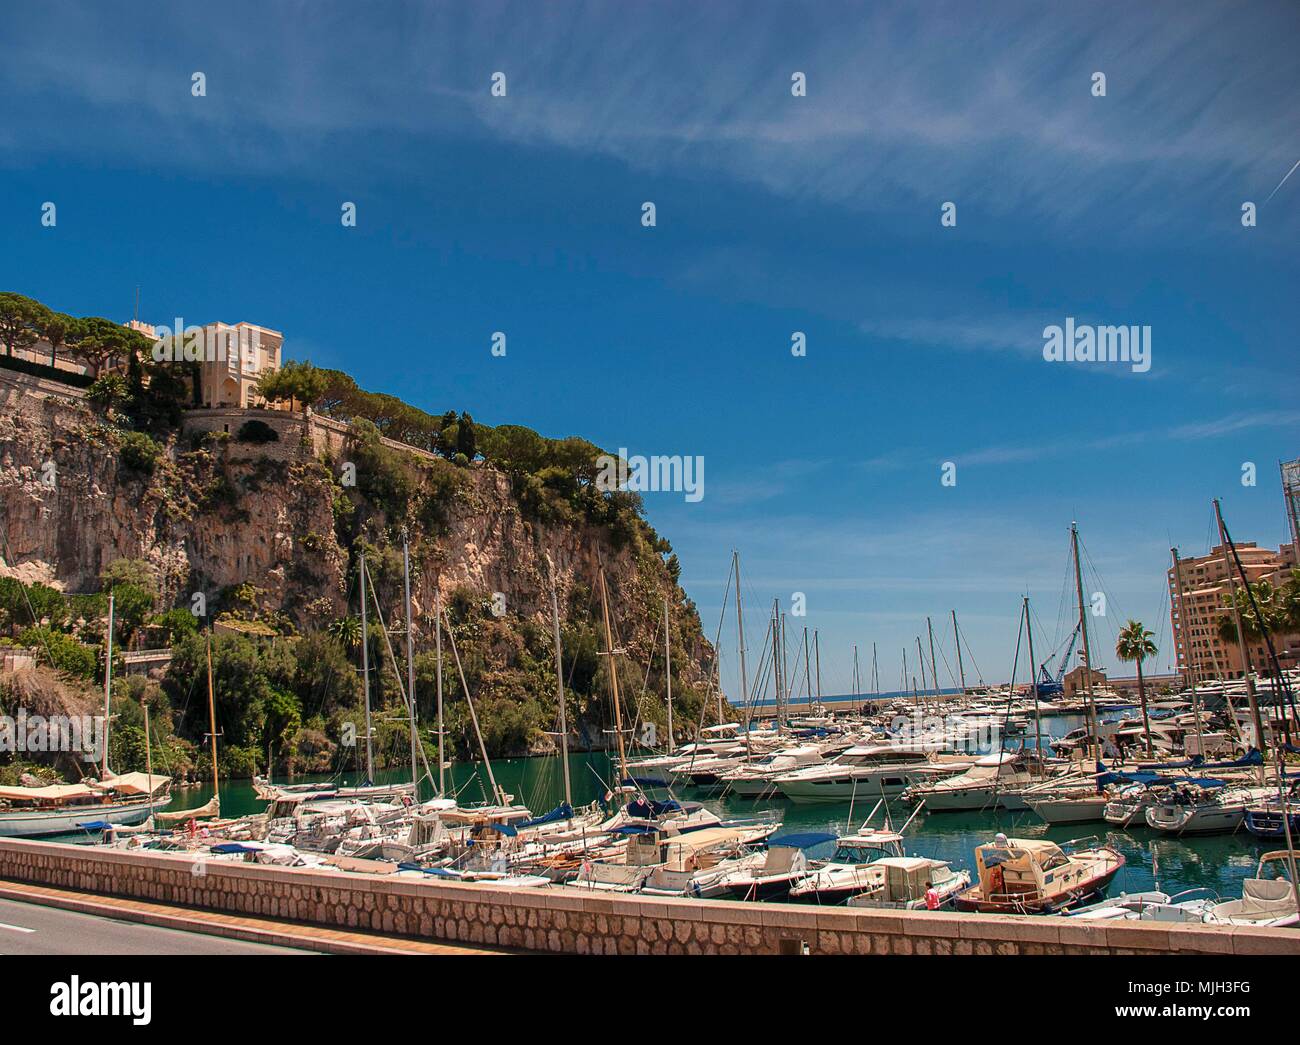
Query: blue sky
{"points": [[775, 214]]}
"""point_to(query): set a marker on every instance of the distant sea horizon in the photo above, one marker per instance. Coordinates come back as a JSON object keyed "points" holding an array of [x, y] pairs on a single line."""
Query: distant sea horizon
{"points": [[856, 698]]}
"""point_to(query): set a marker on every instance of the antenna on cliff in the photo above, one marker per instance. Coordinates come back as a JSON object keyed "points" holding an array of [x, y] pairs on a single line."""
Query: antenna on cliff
{"points": [[137, 302]]}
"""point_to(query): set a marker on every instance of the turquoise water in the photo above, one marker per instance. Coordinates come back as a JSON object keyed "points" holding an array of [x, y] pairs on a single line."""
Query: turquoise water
{"points": [[1217, 862]]}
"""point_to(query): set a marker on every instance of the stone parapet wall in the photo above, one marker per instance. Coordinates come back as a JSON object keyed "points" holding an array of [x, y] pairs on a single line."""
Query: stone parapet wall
{"points": [[576, 921], [323, 434]]}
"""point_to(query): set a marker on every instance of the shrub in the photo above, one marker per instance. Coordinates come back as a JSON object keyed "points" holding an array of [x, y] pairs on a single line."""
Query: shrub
{"points": [[61, 652], [139, 453]]}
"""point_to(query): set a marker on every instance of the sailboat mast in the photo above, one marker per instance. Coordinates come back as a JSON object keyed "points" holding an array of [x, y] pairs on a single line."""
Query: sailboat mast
{"points": [[740, 633], [668, 671], [905, 672], [875, 672], [613, 680], [442, 757], [785, 663], [148, 752], [1033, 678], [776, 664], [817, 655], [108, 685], [1183, 623], [807, 675], [1083, 628], [920, 659], [410, 663], [934, 668], [365, 671], [857, 682], [212, 723], [559, 686], [956, 637], [1241, 636], [498, 794]]}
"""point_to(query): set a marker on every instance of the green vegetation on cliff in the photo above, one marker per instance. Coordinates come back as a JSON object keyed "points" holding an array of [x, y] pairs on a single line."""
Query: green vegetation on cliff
{"points": [[270, 533]]}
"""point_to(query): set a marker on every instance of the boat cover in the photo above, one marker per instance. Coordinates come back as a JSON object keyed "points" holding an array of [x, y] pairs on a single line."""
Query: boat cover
{"points": [[49, 793], [136, 783], [802, 841], [563, 811], [648, 808]]}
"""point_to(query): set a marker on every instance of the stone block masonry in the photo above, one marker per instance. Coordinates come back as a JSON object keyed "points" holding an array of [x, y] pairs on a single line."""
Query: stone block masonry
{"points": [[575, 921]]}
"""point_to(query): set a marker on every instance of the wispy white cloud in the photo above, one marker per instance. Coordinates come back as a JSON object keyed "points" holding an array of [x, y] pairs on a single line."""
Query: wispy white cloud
{"points": [[891, 118]]}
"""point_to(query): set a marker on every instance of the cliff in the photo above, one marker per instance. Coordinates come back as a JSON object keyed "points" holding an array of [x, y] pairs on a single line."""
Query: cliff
{"points": [[269, 528]]}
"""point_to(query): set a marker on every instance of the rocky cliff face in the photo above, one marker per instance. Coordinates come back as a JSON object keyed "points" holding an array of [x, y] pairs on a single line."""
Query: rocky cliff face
{"points": [[212, 513]]}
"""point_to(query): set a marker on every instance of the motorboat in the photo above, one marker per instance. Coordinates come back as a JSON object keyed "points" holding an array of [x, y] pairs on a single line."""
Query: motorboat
{"points": [[1153, 906], [1129, 803], [852, 869], [1034, 876], [868, 772], [1264, 819], [755, 779], [1198, 809], [1070, 807], [784, 865], [994, 781], [1264, 901], [913, 883]]}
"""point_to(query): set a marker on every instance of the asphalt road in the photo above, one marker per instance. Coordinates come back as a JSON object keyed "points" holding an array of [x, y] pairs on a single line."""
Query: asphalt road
{"points": [[32, 929]]}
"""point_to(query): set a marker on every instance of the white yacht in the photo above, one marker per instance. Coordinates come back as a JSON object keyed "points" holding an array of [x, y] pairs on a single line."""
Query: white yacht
{"points": [[1194, 810], [994, 781], [755, 779], [867, 772]]}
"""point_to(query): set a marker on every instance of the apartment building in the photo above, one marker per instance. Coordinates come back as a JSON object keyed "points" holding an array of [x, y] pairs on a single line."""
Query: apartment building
{"points": [[1195, 610]]}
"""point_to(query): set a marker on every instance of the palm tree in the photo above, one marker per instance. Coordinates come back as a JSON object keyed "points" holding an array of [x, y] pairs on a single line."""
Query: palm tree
{"points": [[1134, 644], [347, 631]]}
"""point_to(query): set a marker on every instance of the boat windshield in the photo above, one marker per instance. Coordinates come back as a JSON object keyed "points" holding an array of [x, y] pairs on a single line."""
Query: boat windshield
{"points": [[1054, 861], [857, 854]]}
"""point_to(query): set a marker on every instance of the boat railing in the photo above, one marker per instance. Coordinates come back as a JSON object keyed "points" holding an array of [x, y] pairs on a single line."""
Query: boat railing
{"points": [[1201, 893]]}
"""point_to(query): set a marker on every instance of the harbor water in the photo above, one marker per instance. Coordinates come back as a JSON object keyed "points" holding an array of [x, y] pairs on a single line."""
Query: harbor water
{"points": [[1215, 862]]}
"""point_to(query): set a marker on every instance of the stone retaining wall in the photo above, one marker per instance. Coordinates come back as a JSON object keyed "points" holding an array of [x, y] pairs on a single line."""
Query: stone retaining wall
{"points": [[322, 434], [580, 922]]}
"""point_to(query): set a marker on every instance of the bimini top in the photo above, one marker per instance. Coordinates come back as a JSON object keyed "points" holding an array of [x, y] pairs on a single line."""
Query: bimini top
{"points": [[801, 841], [1037, 847], [871, 838]]}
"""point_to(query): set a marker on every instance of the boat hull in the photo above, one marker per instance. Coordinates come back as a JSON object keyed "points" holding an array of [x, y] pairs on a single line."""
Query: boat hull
{"points": [[1069, 810], [40, 823], [970, 799], [1202, 820], [1094, 887], [1267, 823], [844, 788], [762, 889], [752, 787]]}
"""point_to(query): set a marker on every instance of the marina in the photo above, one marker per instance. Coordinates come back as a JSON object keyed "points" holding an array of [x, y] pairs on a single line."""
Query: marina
{"points": [[1153, 859]]}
